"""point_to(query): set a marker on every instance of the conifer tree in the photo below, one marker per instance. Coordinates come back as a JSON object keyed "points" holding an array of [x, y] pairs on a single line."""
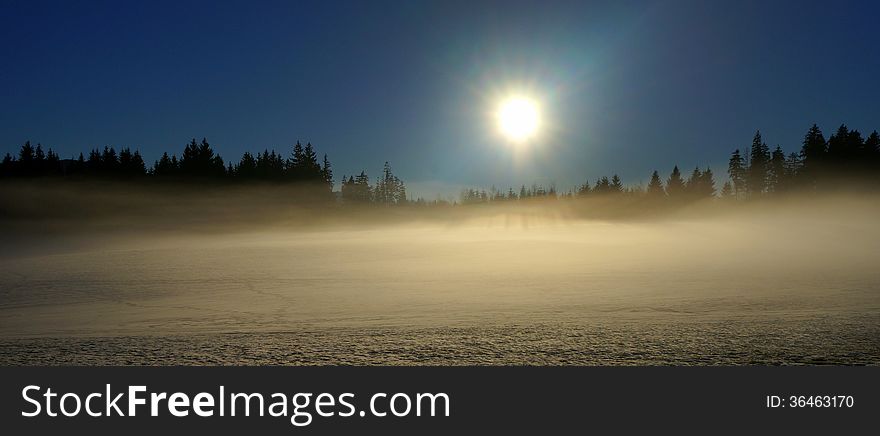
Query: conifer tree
{"points": [[295, 162], [327, 173], [26, 154], [707, 184], [199, 160], [616, 184], [603, 186], [838, 144], [776, 170], [814, 155], [737, 172], [655, 186], [310, 167], [756, 180], [165, 166], [584, 189], [692, 186], [675, 184], [247, 167]]}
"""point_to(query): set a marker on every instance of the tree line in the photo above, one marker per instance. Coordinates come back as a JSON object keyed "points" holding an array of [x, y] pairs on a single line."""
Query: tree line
{"points": [[389, 189], [845, 158], [199, 162]]}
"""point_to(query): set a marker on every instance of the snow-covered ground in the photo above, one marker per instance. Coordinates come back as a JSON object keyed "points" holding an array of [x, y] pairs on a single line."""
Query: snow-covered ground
{"points": [[503, 289]]}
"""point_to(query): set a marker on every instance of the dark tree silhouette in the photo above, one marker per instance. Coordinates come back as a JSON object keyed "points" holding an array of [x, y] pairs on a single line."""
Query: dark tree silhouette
{"points": [[707, 184], [674, 184], [776, 170], [199, 160], [310, 167], [583, 189], [165, 166], [327, 173], [131, 164], [246, 169], [26, 154], [814, 152], [692, 185], [296, 161], [839, 145], [846, 159], [603, 186], [736, 169], [389, 189], [357, 189], [655, 186], [616, 184], [756, 180]]}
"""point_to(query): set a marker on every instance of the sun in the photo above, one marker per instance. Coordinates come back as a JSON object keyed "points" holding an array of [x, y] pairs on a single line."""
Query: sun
{"points": [[518, 118]]}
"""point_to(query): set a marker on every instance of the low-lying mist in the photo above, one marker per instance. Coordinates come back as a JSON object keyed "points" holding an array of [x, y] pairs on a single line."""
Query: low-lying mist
{"points": [[792, 280]]}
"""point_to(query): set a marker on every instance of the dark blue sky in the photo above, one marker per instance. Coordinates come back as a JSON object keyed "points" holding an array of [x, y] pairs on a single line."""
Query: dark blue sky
{"points": [[626, 87]]}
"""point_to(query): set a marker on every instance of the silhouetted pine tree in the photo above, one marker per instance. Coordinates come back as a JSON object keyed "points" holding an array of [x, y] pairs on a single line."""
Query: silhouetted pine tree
{"points": [[776, 170], [303, 165], [584, 189], [357, 189], [692, 186], [199, 160], [675, 184], [39, 160], [247, 167], [737, 171], [310, 167], [707, 184], [271, 166], [52, 165], [389, 189], [131, 164], [26, 155], [265, 162], [814, 155], [602, 186], [616, 184], [327, 173], [655, 186], [756, 181], [165, 166], [839, 145], [137, 167], [109, 162], [296, 162], [94, 165]]}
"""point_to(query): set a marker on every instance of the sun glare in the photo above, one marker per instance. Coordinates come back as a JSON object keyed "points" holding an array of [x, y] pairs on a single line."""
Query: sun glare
{"points": [[518, 118]]}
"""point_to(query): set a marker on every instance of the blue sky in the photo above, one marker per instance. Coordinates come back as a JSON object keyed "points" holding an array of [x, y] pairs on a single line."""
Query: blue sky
{"points": [[625, 87]]}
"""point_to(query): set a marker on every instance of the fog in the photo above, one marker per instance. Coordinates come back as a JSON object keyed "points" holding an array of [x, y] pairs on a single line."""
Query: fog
{"points": [[238, 277]]}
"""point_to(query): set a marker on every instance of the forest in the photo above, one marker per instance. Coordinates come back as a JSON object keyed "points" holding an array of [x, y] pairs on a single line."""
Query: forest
{"points": [[845, 159]]}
